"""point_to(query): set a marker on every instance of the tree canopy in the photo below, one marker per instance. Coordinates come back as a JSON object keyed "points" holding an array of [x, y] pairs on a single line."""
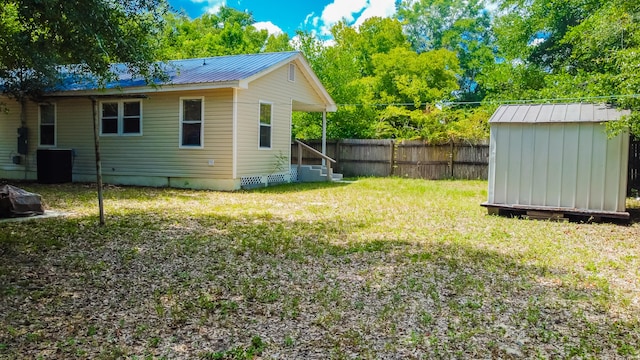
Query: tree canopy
{"points": [[435, 71], [37, 36], [570, 49], [227, 32]]}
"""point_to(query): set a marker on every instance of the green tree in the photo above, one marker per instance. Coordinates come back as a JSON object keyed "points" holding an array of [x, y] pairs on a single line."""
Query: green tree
{"points": [[403, 76], [346, 68], [534, 31], [38, 36], [463, 27], [278, 42], [412, 84], [570, 49], [434, 125], [227, 32], [371, 67], [341, 68]]}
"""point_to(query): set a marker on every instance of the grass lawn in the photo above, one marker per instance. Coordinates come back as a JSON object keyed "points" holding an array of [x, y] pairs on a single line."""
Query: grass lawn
{"points": [[377, 268]]}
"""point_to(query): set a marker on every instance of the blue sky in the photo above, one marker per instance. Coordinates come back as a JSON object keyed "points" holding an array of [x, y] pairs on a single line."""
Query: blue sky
{"points": [[287, 16]]}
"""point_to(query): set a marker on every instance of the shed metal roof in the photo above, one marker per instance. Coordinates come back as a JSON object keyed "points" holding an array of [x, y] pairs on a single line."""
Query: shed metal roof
{"points": [[556, 113], [211, 70]]}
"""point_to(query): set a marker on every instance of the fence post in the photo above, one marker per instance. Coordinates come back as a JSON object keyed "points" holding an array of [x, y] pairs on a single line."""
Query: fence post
{"points": [[392, 162], [451, 158]]}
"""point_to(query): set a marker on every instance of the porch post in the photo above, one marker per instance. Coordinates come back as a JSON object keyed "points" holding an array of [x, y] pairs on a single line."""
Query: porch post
{"points": [[324, 136]]}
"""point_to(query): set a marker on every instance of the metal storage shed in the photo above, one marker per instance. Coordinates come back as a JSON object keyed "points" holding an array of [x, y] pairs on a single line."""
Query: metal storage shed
{"points": [[557, 158]]}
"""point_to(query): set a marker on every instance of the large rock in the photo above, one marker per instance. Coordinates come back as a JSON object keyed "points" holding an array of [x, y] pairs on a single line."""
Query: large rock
{"points": [[18, 202]]}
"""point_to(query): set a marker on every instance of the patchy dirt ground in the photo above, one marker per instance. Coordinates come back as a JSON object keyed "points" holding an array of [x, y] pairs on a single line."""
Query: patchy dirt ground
{"points": [[381, 268]]}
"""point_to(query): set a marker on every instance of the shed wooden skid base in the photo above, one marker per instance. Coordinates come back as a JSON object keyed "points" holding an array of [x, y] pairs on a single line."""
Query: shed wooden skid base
{"points": [[552, 213]]}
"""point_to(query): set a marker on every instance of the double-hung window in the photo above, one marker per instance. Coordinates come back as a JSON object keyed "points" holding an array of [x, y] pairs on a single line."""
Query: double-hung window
{"points": [[47, 116], [191, 122], [266, 113], [121, 117]]}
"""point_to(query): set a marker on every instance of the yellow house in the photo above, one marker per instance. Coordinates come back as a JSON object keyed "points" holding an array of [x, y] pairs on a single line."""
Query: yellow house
{"points": [[218, 123]]}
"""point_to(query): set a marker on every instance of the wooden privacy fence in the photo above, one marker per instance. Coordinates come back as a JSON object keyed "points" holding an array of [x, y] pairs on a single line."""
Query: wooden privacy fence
{"points": [[413, 159]]}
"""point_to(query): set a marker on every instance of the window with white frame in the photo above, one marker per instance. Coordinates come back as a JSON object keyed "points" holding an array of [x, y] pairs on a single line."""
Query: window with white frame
{"points": [[47, 116], [191, 122], [266, 112], [122, 117]]}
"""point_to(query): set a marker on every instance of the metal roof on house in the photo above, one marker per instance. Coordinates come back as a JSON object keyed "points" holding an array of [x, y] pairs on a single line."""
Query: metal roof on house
{"points": [[556, 113], [217, 69]]}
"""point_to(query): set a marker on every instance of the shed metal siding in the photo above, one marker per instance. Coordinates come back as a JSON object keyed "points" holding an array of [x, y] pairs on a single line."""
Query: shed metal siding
{"points": [[557, 157]]}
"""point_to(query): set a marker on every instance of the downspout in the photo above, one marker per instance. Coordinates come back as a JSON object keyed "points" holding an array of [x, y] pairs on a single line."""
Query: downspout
{"points": [[23, 111], [23, 124]]}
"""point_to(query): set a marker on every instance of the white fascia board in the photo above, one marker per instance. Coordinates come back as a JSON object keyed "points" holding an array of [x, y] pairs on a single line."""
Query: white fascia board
{"points": [[316, 83], [150, 89]]}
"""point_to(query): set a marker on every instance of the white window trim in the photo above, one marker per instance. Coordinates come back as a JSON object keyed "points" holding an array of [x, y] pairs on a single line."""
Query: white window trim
{"points": [[291, 75], [180, 115], [270, 125], [55, 126], [120, 118]]}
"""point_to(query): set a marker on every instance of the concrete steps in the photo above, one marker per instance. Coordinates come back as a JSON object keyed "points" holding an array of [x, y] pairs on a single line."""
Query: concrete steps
{"points": [[315, 173]]}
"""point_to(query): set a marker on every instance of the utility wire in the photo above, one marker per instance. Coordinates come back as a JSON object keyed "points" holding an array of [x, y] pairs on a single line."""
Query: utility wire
{"points": [[450, 103], [510, 101]]}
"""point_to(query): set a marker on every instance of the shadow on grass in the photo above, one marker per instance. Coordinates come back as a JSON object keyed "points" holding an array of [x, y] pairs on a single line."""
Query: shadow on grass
{"points": [[299, 187], [153, 277], [634, 215], [86, 192]]}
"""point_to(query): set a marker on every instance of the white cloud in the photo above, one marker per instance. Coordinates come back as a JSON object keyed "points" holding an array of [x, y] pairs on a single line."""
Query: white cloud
{"points": [[491, 5], [350, 9], [537, 41], [212, 6], [338, 10], [329, 43], [379, 8], [271, 28], [309, 17]]}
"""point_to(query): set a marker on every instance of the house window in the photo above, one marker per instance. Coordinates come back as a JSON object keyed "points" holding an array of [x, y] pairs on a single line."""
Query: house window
{"points": [[266, 110], [121, 118], [292, 72], [191, 121], [131, 117], [47, 124]]}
